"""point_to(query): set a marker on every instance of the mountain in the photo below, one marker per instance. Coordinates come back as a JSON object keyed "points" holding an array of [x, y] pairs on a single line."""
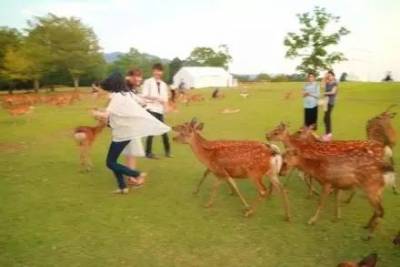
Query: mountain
{"points": [[111, 57]]}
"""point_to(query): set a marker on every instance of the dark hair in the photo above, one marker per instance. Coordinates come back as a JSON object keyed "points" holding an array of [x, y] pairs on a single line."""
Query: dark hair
{"points": [[114, 83], [331, 73], [135, 72], [158, 66], [311, 73]]}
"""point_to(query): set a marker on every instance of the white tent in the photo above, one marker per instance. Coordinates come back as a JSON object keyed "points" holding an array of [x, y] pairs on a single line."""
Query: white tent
{"points": [[198, 77]]}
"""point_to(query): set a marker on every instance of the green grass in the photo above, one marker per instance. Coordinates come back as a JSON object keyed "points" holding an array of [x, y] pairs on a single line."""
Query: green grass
{"points": [[53, 215]]}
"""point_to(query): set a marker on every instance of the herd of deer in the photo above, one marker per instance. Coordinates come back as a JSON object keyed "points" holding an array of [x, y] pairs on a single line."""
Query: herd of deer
{"points": [[336, 165], [21, 104]]}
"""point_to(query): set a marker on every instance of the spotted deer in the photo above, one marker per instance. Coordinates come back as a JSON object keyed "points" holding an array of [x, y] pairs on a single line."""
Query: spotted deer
{"points": [[229, 160], [342, 171], [85, 136]]}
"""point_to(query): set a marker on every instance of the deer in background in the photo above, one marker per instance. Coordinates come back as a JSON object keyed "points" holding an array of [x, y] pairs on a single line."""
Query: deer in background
{"points": [[229, 160], [85, 136]]}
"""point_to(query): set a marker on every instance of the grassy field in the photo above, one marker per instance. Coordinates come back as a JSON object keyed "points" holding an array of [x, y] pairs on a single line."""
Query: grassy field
{"points": [[53, 215]]}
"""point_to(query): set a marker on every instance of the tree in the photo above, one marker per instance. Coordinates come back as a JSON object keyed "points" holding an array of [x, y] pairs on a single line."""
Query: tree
{"points": [[206, 56], [174, 66], [135, 59], [10, 38], [312, 42], [263, 77], [64, 43]]}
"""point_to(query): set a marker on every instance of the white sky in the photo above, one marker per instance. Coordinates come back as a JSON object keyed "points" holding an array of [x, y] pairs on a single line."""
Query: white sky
{"points": [[253, 29]]}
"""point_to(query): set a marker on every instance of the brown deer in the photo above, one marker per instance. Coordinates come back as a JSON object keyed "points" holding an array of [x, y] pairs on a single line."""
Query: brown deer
{"points": [[380, 128], [85, 136], [369, 261], [343, 172], [19, 110], [229, 160], [346, 147]]}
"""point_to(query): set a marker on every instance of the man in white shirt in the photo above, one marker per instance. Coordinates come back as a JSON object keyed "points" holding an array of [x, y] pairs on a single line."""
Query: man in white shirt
{"points": [[155, 91]]}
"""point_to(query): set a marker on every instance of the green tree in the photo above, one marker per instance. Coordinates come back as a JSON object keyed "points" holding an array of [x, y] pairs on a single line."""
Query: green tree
{"points": [[10, 38], [206, 56], [312, 42], [174, 66], [65, 43], [135, 59], [263, 77]]}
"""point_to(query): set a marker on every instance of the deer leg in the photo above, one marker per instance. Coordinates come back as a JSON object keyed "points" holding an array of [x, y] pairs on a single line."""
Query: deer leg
{"points": [[322, 199], [235, 187], [82, 155], [350, 198], [205, 174], [375, 200], [214, 190], [262, 194], [277, 184], [337, 204]]}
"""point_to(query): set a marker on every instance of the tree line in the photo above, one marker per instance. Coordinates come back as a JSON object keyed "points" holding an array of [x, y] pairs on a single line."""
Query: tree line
{"points": [[54, 50]]}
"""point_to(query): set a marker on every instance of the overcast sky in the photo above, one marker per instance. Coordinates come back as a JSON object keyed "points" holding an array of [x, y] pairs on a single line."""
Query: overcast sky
{"points": [[253, 29]]}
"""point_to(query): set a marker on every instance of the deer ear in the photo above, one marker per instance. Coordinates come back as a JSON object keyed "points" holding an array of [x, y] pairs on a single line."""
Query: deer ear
{"points": [[177, 128], [392, 115], [193, 121], [200, 126]]}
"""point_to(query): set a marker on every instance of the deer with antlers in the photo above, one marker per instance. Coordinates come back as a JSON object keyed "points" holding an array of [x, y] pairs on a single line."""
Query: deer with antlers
{"points": [[229, 160], [85, 136]]}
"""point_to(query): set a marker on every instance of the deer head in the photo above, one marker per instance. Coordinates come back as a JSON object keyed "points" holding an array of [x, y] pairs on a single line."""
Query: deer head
{"points": [[187, 131], [396, 240], [279, 133]]}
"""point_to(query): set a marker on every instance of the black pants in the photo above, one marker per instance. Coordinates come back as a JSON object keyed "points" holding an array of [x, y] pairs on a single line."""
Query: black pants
{"points": [[328, 119], [165, 139], [311, 117], [119, 170]]}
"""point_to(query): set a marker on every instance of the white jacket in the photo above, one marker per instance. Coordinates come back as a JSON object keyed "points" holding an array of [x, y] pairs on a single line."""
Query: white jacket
{"points": [[128, 120]]}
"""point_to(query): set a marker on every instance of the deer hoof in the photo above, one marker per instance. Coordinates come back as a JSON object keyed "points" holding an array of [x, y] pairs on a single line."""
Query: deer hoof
{"points": [[367, 238], [248, 212], [312, 221], [208, 205], [287, 219]]}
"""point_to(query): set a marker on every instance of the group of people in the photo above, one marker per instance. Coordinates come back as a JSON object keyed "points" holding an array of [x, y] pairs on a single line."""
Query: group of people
{"points": [[132, 115], [312, 98]]}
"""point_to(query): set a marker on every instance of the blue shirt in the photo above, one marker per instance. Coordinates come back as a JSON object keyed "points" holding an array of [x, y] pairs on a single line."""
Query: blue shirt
{"points": [[311, 101], [328, 88]]}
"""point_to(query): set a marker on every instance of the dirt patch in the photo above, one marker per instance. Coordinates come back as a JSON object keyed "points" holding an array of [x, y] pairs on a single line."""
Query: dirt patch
{"points": [[12, 147]]}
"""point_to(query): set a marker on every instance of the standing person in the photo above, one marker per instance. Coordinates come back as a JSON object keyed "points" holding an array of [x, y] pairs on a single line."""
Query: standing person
{"points": [[155, 91], [135, 147], [128, 120], [331, 89], [310, 101]]}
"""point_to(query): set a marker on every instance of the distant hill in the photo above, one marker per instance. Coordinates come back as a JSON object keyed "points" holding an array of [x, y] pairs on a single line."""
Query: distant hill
{"points": [[113, 56]]}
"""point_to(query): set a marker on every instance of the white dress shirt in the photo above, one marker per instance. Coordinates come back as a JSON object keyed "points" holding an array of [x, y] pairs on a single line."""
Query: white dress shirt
{"points": [[158, 91]]}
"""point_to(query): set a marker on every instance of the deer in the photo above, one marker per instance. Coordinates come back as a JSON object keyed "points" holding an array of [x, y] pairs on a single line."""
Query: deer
{"points": [[380, 128], [369, 261], [229, 160], [372, 147], [342, 172], [84, 137]]}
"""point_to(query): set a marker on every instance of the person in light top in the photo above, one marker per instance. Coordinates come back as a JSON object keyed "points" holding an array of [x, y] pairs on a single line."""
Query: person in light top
{"points": [[310, 101], [155, 91], [128, 120]]}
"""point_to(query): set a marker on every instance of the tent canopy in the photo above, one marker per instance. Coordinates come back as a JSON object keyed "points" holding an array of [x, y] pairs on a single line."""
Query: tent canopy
{"points": [[198, 77]]}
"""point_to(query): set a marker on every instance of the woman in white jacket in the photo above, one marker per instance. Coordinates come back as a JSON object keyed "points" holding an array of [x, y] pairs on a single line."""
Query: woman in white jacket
{"points": [[128, 121]]}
